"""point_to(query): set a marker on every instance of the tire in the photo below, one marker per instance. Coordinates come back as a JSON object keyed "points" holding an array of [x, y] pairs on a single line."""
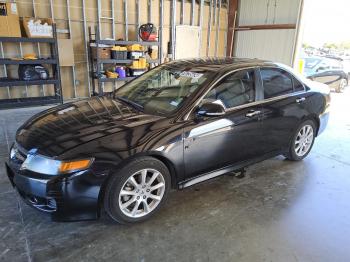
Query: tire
{"points": [[343, 83], [130, 199], [296, 153]]}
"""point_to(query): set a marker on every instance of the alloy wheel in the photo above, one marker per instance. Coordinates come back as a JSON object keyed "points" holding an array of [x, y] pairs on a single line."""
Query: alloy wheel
{"points": [[141, 193], [304, 140], [342, 85]]}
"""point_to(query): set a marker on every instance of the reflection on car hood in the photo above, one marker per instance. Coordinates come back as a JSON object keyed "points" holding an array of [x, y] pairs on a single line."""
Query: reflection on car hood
{"points": [[61, 128]]}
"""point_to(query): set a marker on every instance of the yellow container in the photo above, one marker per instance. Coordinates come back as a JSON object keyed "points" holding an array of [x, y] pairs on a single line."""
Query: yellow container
{"points": [[119, 48], [135, 64], [154, 52], [142, 62], [111, 74], [135, 47]]}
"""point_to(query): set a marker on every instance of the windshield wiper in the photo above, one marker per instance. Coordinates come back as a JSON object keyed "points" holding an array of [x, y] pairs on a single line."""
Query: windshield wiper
{"points": [[130, 103]]}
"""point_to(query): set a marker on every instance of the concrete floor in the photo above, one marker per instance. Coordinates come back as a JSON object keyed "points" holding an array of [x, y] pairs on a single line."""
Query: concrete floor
{"points": [[281, 211]]}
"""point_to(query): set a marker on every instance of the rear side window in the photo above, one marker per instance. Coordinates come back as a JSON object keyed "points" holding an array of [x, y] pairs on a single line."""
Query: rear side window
{"points": [[276, 82]]}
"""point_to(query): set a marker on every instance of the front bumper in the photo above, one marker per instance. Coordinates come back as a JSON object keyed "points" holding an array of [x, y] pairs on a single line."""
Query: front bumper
{"points": [[66, 198], [323, 122], [33, 191]]}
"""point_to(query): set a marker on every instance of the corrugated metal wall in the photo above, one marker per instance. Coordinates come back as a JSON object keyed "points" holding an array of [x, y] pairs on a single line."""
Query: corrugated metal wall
{"points": [[276, 45]]}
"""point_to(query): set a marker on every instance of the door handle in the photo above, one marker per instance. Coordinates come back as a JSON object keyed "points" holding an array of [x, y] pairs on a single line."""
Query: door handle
{"points": [[252, 113], [299, 100]]}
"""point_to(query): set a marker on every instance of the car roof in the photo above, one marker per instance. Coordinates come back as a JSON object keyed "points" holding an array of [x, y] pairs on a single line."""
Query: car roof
{"points": [[218, 64]]}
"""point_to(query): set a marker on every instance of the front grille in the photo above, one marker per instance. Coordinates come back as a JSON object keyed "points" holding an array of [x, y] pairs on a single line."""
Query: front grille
{"points": [[44, 204]]}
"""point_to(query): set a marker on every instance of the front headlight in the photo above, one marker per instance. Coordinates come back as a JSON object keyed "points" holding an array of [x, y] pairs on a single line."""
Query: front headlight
{"points": [[13, 151], [49, 166]]}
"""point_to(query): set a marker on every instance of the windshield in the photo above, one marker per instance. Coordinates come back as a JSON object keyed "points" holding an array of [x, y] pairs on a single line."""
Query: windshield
{"points": [[162, 90]]}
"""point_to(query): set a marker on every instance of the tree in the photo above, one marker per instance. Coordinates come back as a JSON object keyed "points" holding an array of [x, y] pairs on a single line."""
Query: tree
{"points": [[330, 46], [345, 45], [305, 46]]}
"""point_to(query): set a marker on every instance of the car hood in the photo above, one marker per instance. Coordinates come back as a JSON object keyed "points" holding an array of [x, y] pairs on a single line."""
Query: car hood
{"points": [[56, 130]]}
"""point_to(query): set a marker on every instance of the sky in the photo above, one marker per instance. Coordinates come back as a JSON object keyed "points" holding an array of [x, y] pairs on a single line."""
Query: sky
{"points": [[326, 21]]}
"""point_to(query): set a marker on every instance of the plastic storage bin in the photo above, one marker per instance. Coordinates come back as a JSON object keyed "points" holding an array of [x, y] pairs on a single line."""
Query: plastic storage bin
{"points": [[135, 54], [119, 53], [136, 72]]}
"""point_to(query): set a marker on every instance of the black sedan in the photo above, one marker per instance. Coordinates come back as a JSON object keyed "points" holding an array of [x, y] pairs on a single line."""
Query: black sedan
{"points": [[177, 125]]}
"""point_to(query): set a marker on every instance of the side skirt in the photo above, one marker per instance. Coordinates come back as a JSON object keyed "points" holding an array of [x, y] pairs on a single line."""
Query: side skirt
{"points": [[225, 170]]}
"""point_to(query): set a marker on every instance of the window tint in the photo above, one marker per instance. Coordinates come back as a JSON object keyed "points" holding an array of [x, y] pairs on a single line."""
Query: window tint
{"points": [[235, 89], [276, 82], [298, 86]]}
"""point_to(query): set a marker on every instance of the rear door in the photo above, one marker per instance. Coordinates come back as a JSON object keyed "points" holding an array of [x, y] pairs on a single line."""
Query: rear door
{"points": [[282, 107]]}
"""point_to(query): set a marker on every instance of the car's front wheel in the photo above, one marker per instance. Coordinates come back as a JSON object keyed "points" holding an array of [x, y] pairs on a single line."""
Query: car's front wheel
{"points": [[137, 191], [302, 141]]}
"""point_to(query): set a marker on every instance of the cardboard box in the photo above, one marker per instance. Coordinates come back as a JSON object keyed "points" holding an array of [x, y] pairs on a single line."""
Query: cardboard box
{"points": [[105, 52], [9, 20], [35, 27], [65, 52]]}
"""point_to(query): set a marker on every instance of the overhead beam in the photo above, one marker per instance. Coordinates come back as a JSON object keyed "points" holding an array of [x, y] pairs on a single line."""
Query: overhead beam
{"points": [[265, 27]]}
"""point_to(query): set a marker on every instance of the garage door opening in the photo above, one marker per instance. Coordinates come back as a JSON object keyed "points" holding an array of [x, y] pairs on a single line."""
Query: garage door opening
{"points": [[324, 45]]}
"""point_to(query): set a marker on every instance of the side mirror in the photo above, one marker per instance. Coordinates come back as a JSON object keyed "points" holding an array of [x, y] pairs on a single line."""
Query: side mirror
{"points": [[211, 109]]}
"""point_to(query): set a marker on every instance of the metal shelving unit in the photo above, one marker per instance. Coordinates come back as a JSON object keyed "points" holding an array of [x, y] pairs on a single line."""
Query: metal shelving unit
{"points": [[96, 64], [125, 79], [14, 82], [7, 61], [55, 79], [28, 40]]}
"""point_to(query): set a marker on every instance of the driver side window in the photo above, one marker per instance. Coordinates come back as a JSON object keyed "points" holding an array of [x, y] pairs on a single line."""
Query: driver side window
{"points": [[234, 90]]}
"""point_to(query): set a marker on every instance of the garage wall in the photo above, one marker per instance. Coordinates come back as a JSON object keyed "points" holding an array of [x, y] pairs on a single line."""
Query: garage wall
{"points": [[277, 45], [43, 10]]}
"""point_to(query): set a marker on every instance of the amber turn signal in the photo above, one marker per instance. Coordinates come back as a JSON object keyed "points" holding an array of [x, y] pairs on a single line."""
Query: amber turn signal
{"points": [[74, 165]]}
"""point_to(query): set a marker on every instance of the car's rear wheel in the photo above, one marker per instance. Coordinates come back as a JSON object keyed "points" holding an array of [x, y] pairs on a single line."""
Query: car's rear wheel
{"points": [[137, 191], [343, 83], [302, 141]]}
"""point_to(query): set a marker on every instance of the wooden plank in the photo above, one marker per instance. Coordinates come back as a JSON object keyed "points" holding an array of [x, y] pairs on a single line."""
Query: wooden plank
{"points": [[265, 27], [231, 24]]}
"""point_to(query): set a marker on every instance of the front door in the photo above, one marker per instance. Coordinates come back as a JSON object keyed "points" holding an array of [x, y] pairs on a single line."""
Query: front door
{"points": [[211, 143]]}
